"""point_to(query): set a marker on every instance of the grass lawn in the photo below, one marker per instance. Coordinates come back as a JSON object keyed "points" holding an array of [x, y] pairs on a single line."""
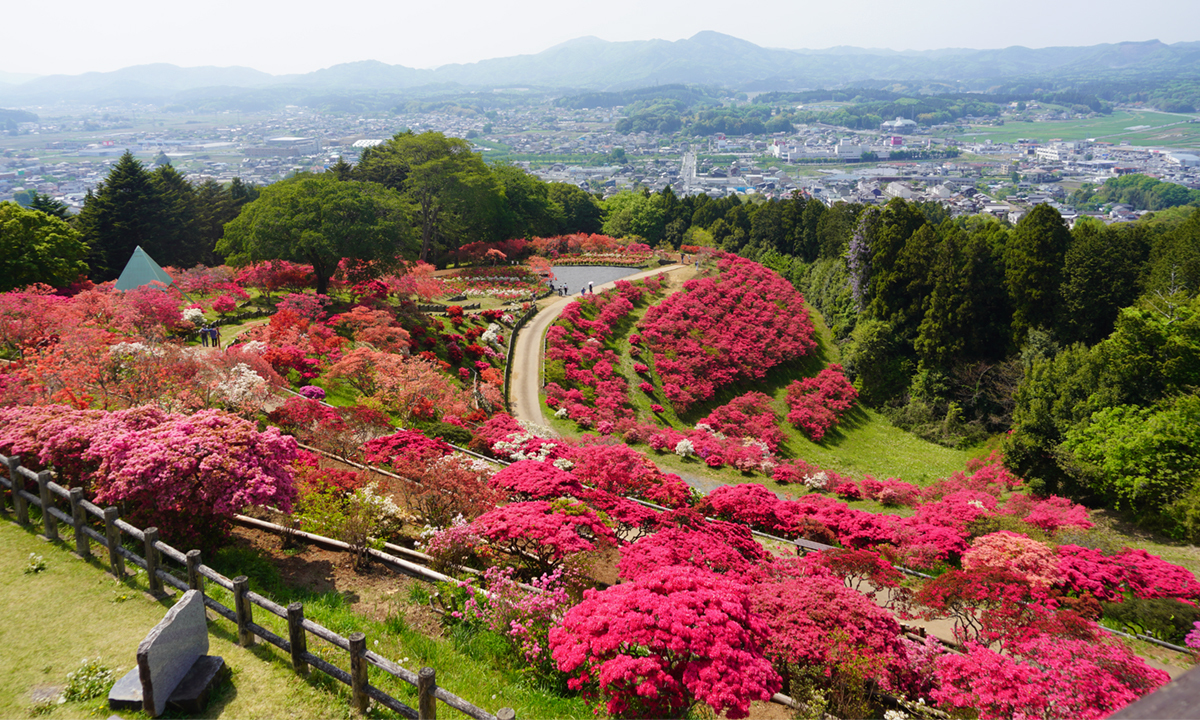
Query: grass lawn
{"points": [[74, 610], [864, 443]]}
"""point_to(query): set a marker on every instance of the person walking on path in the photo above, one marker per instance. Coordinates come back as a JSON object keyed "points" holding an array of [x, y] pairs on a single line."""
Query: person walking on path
{"points": [[215, 332], [204, 337], [590, 290]]}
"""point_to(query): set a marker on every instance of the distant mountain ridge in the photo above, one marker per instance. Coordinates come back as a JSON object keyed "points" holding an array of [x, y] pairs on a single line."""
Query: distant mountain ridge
{"points": [[589, 63]]}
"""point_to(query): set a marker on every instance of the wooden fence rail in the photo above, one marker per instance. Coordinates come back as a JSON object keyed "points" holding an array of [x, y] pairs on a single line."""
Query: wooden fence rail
{"points": [[245, 600]]}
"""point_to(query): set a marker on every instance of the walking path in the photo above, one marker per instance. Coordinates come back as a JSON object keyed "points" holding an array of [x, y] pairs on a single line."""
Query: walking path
{"points": [[525, 383]]}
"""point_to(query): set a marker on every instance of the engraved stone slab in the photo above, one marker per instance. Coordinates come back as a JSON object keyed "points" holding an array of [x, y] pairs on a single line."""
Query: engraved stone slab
{"points": [[170, 650]]}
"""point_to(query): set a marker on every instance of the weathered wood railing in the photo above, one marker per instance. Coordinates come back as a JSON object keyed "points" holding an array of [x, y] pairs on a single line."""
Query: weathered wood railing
{"points": [[242, 614]]}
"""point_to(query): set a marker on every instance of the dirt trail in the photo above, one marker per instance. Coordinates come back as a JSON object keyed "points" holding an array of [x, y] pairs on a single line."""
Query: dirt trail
{"points": [[526, 379]]}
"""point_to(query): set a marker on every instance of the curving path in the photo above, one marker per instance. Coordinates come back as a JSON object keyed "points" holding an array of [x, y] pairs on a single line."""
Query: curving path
{"points": [[525, 383]]}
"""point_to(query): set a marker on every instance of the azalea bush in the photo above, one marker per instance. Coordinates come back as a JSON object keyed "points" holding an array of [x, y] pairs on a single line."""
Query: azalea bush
{"points": [[732, 328], [819, 403], [672, 638]]}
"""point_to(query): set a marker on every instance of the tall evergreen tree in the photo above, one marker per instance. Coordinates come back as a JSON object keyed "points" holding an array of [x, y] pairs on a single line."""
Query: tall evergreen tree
{"points": [[123, 212], [1033, 261], [1100, 276]]}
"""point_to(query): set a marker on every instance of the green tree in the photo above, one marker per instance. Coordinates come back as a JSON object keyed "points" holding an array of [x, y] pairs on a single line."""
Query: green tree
{"points": [[528, 209], [178, 234], [1033, 262], [581, 210], [319, 220], [38, 248], [48, 205], [123, 212], [1144, 462], [1100, 276], [1175, 258], [634, 213], [455, 195]]}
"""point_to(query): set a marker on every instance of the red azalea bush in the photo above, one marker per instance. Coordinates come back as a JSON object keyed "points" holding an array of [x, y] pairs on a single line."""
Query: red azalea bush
{"points": [[620, 470], [696, 548], [544, 534], [749, 415], [655, 646], [727, 329], [819, 403], [536, 480], [818, 623], [1045, 676], [386, 450]]}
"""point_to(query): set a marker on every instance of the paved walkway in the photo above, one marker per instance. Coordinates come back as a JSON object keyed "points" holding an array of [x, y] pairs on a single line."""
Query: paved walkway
{"points": [[525, 383]]}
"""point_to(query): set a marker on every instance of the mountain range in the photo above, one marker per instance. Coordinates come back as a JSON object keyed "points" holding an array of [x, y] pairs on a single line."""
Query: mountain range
{"points": [[589, 63]]}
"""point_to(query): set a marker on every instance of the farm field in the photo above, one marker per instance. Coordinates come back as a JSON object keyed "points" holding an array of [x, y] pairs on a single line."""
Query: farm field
{"points": [[1115, 127]]}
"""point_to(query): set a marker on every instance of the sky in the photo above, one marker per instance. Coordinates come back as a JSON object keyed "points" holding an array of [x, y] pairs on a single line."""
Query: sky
{"points": [[77, 36]]}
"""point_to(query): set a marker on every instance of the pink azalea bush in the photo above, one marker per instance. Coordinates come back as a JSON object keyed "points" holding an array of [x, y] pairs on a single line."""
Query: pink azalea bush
{"points": [[655, 646]]}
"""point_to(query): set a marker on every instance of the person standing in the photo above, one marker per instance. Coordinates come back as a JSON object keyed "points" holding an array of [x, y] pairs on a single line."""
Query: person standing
{"points": [[204, 337], [590, 290]]}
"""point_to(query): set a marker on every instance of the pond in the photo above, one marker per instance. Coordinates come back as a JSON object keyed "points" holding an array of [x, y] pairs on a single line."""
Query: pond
{"points": [[576, 277]]}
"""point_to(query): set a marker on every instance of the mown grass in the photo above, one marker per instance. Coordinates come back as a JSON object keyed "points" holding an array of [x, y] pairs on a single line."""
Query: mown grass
{"points": [[865, 443], [74, 609]]}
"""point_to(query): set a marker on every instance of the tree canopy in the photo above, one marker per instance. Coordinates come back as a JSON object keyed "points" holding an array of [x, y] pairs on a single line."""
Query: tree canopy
{"points": [[319, 220], [38, 248]]}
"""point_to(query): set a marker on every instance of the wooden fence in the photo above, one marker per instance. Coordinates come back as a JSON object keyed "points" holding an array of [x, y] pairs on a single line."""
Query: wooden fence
{"points": [[242, 614]]}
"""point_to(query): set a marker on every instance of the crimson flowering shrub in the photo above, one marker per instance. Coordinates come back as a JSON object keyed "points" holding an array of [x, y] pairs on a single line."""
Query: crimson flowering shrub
{"points": [[57, 436], [1045, 676], [276, 275], [224, 304], [385, 450], [671, 638], [620, 470], [631, 520], [819, 403], [695, 548], [818, 623], [534, 480], [749, 415], [542, 534], [732, 328], [890, 492], [749, 504]]}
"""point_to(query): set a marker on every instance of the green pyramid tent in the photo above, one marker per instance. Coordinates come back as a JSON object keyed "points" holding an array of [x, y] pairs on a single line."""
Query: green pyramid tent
{"points": [[141, 270]]}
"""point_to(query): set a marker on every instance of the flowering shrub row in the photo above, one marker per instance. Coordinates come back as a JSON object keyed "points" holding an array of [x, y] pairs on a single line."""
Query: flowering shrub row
{"points": [[734, 327]]}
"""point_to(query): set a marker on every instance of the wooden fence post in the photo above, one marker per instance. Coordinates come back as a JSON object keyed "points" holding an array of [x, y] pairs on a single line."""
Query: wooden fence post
{"points": [[297, 637], [153, 561], [358, 672], [20, 504], [49, 522], [241, 605], [195, 579], [506, 714], [3, 499], [83, 548], [112, 535], [426, 702]]}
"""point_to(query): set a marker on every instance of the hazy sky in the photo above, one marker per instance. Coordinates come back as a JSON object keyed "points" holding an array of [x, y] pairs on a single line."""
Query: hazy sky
{"points": [[76, 36]]}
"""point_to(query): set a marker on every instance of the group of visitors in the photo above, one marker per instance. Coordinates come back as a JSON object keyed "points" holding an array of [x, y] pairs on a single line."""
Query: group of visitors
{"points": [[210, 335], [562, 290]]}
